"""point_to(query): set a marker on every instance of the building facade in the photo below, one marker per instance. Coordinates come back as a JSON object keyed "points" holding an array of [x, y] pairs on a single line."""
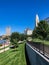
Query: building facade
{"points": [[8, 31], [28, 31]]}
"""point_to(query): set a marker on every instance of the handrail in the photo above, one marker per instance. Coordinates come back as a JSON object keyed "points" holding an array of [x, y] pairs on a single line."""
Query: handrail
{"points": [[43, 49]]}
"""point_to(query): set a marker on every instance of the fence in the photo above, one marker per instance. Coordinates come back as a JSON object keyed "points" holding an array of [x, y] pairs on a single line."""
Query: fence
{"points": [[42, 48]]}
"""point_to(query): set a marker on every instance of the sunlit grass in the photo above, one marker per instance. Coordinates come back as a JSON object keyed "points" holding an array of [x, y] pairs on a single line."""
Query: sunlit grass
{"points": [[42, 41], [14, 56]]}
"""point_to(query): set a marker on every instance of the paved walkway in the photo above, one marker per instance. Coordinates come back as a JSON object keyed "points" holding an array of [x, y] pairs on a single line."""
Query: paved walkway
{"points": [[4, 50], [3, 46]]}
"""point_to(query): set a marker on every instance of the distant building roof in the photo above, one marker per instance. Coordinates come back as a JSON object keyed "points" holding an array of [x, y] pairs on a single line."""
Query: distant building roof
{"points": [[28, 31]]}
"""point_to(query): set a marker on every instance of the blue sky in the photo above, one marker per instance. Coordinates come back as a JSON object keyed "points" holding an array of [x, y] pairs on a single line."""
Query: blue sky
{"points": [[20, 14]]}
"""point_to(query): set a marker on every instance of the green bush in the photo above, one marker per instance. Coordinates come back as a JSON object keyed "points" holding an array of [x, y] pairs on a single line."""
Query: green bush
{"points": [[47, 38], [40, 37], [15, 43]]}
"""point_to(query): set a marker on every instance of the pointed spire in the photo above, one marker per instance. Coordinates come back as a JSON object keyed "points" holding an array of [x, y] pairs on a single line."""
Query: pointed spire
{"points": [[37, 20]]}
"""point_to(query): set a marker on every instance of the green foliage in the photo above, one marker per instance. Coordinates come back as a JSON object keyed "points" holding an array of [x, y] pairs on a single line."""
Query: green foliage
{"points": [[42, 30], [34, 34], [47, 38], [23, 37], [15, 43], [15, 35], [40, 37]]}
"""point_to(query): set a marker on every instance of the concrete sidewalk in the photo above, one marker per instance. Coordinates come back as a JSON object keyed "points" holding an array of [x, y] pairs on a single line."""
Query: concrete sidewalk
{"points": [[3, 46], [4, 50]]}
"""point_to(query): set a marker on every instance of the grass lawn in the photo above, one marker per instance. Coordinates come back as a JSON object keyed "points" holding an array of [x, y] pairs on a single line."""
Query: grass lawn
{"points": [[14, 56], [43, 41]]}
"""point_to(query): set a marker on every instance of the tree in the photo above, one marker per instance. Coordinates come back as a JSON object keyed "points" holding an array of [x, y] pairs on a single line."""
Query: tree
{"points": [[15, 43], [23, 37], [42, 30], [15, 35]]}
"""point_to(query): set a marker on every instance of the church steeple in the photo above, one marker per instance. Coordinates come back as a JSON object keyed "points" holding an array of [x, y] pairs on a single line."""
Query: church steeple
{"points": [[37, 20]]}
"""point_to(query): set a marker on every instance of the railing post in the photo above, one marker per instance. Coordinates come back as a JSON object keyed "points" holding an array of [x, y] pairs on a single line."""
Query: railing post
{"points": [[43, 48]]}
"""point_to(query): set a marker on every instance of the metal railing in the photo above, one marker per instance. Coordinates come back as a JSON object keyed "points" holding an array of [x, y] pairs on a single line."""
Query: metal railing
{"points": [[40, 47]]}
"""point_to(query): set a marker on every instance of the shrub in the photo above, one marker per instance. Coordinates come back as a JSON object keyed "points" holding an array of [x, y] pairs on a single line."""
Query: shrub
{"points": [[47, 38], [15, 43], [40, 37]]}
